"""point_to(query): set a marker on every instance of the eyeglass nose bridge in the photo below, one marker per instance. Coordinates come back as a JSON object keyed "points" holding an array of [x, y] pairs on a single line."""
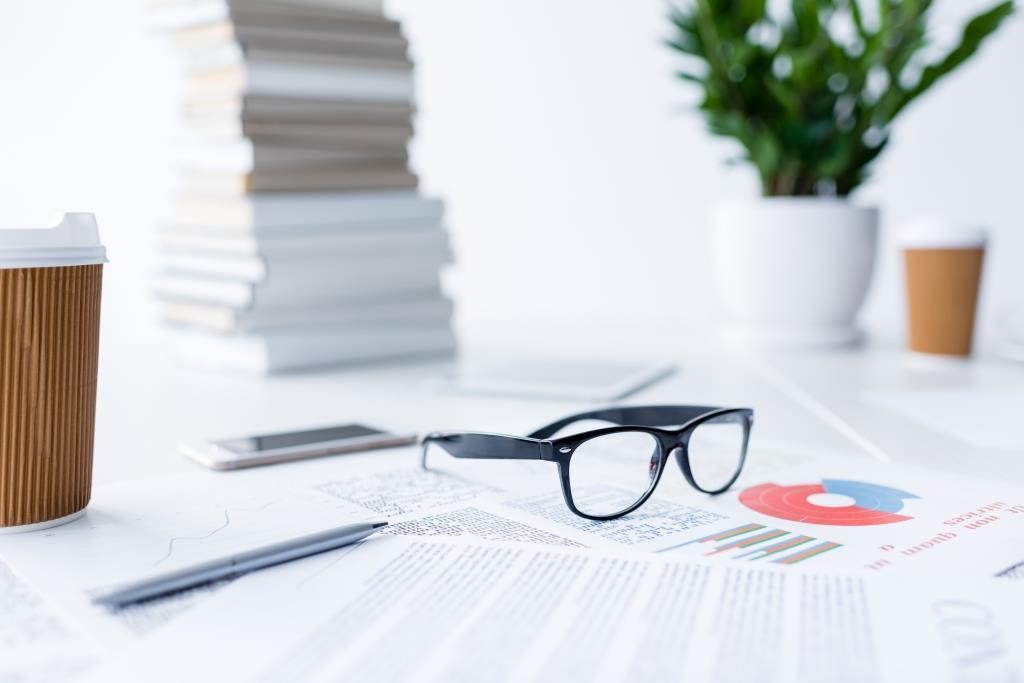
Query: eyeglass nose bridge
{"points": [[679, 450]]}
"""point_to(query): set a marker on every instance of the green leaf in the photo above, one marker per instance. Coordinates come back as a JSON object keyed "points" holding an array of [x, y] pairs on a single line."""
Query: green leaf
{"points": [[766, 154], [787, 98], [975, 32], [693, 78], [859, 168], [806, 19], [837, 161], [751, 12], [858, 19], [730, 124], [685, 46], [885, 14]]}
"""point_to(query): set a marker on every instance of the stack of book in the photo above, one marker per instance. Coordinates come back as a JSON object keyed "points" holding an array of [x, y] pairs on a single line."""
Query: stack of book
{"points": [[299, 238]]}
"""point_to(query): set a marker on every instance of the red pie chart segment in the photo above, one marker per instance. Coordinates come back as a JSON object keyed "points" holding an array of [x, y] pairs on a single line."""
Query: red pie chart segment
{"points": [[791, 503]]}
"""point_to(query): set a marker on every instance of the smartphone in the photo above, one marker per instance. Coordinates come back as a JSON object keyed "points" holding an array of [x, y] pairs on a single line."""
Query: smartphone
{"points": [[267, 449]]}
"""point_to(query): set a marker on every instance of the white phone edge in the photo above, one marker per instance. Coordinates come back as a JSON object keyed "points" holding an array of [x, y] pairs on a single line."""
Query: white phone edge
{"points": [[204, 454]]}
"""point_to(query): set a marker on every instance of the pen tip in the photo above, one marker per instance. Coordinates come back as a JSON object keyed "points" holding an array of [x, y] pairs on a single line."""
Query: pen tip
{"points": [[378, 525]]}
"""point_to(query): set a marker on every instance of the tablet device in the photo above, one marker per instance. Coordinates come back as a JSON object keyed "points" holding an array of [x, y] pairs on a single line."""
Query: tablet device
{"points": [[585, 381]]}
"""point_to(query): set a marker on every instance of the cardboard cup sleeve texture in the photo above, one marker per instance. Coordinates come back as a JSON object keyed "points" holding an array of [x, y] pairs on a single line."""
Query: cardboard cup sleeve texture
{"points": [[49, 350]]}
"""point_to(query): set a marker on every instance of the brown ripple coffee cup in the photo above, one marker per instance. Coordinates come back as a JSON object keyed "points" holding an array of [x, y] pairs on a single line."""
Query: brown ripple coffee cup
{"points": [[50, 284], [943, 265]]}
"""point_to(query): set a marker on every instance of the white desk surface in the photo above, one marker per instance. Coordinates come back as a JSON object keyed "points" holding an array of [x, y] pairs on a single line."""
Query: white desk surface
{"points": [[148, 405], [807, 402], [834, 386]]}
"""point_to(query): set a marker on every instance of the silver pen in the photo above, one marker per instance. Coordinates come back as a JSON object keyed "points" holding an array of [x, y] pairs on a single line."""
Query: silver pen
{"points": [[238, 564]]}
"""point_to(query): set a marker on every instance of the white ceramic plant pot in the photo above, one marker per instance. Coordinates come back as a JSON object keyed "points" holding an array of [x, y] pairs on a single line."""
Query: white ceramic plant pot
{"points": [[794, 271]]}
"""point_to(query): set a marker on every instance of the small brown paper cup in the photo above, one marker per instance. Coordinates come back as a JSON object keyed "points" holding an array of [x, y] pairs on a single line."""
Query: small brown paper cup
{"points": [[943, 276]]}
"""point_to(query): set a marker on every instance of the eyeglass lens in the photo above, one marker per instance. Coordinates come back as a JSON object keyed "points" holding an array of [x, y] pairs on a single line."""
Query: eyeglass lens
{"points": [[716, 452], [610, 473]]}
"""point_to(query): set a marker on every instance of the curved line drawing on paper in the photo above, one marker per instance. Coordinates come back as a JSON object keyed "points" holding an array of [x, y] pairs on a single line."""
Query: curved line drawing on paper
{"points": [[171, 542]]}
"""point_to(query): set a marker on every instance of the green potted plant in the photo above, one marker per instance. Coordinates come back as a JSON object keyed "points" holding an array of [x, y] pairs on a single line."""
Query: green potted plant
{"points": [[810, 95]]}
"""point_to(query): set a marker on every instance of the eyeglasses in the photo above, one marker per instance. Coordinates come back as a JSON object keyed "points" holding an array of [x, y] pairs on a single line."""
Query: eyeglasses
{"points": [[607, 473]]}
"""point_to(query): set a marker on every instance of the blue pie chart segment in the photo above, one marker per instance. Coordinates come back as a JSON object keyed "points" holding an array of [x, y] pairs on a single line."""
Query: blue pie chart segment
{"points": [[870, 496]]}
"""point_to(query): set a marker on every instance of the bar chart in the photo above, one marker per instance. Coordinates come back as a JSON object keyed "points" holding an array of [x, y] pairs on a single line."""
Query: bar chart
{"points": [[759, 542]]}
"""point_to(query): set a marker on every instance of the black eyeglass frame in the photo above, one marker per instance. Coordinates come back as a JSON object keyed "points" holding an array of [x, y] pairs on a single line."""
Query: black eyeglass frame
{"points": [[647, 419]]}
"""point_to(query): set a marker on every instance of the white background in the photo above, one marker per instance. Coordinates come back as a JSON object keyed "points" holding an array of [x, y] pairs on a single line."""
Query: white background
{"points": [[578, 178]]}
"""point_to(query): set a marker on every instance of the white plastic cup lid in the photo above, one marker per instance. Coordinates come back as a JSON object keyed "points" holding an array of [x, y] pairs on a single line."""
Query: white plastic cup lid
{"points": [[928, 232], [75, 241]]}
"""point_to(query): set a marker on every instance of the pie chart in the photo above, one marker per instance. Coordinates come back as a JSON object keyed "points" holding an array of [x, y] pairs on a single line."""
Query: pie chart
{"points": [[872, 503]]}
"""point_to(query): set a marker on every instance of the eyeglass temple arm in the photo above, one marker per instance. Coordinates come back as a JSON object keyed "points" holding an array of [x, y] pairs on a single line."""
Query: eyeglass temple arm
{"points": [[485, 446], [653, 416]]}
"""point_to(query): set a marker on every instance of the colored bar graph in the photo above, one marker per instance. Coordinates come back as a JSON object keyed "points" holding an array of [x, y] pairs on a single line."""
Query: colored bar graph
{"points": [[778, 547], [757, 542], [749, 541], [720, 536], [730, 533], [807, 554]]}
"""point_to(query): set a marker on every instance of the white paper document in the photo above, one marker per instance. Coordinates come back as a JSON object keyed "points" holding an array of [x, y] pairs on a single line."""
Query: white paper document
{"points": [[791, 511], [36, 643], [407, 609], [137, 529], [845, 513]]}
